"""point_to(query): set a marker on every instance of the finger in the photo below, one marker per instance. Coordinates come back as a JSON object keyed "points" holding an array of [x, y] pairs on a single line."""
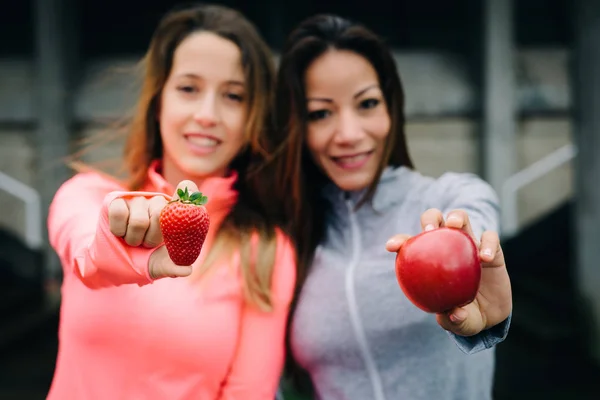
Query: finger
{"points": [[161, 266], [154, 235], [432, 219], [139, 221], [463, 321], [489, 249], [183, 185], [170, 271], [491, 253], [459, 219], [395, 242], [118, 214], [177, 271]]}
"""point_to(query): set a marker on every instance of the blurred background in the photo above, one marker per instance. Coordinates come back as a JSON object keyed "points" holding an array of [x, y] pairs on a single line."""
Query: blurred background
{"points": [[506, 89]]}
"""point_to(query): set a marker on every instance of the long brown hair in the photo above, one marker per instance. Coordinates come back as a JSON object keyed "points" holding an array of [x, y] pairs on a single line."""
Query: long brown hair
{"points": [[299, 177], [255, 211]]}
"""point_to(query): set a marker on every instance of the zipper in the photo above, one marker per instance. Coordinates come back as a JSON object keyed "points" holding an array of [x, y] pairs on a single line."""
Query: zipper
{"points": [[359, 331]]}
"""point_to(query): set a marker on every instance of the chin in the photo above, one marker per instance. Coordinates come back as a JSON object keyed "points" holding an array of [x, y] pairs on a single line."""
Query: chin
{"points": [[351, 181], [203, 171], [352, 185]]}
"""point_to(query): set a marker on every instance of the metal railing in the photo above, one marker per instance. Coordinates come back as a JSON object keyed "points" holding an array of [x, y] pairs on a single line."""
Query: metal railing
{"points": [[33, 208], [510, 188]]}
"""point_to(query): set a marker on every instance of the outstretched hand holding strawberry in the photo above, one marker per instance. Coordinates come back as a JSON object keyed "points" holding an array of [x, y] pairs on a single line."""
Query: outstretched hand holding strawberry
{"points": [[181, 224]]}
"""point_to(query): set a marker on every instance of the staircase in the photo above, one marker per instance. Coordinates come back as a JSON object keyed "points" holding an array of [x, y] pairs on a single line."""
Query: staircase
{"points": [[540, 261], [21, 293], [28, 324], [543, 355]]}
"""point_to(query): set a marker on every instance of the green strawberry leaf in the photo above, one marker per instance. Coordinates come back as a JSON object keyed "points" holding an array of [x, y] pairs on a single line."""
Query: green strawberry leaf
{"points": [[195, 196], [180, 193], [198, 199]]}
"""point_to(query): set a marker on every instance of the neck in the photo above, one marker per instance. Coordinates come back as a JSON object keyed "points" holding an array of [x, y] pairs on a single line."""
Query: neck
{"points": [[173, 174]]}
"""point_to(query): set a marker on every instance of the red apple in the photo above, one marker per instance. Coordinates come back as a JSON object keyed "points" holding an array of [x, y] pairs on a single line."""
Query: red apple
{"points": [[439, 270]]}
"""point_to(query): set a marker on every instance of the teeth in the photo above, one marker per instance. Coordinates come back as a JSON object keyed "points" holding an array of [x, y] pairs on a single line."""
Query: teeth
{"points": [[203, 141], [349, 160]]}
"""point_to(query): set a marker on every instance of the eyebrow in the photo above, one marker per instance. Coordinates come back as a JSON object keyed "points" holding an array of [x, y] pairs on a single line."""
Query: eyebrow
{"points": [[229, 82], [356, 95]]}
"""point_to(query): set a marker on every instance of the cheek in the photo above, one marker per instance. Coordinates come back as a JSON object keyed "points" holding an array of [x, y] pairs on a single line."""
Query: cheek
{"points": [[316, 145], [235, 121], [316, 141], [172, 115], [380, 126]]}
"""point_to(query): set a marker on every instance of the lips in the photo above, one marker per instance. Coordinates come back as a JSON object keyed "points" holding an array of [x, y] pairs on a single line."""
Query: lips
{"points": [[203, 141], [202, 144], [352, 161]]}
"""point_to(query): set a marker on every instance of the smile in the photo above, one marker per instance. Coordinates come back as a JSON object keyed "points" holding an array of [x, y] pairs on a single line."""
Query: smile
{"points": [[202, 144], [352, 161]]}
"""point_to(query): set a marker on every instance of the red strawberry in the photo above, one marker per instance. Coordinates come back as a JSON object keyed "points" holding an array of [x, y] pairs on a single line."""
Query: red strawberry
{"points": [[184, 223]]}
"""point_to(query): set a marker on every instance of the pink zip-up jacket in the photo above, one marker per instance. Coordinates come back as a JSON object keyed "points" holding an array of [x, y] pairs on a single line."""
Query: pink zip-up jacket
{"points": [[125, 336]]}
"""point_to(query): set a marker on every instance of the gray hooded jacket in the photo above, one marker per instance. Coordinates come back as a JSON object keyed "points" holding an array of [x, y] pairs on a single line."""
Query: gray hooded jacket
{"points": [[356, 333]]}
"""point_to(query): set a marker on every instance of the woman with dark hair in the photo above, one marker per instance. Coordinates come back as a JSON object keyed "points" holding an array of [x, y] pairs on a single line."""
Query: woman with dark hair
{"points": [[354, 199], [128, 331]]}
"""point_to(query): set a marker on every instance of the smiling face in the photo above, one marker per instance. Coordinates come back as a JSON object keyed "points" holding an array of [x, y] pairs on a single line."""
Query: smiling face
{"points": [[202, 108], [348, 118]]}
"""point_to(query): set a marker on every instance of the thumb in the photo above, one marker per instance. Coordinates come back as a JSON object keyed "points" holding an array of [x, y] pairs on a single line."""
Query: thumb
{"points": [[161, 266], [395, 242], [183, 186], [463, 321]]}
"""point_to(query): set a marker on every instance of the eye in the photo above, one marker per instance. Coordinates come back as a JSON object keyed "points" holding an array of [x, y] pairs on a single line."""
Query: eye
{"points": [[187, 89], [318, 114], [369, 103], [235, 97]]}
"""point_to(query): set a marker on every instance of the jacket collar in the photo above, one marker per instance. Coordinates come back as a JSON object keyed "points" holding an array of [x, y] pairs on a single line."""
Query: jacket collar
{"points": [[394, 185]]}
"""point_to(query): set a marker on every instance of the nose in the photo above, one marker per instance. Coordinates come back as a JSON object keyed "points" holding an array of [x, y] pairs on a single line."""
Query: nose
{"points": [[207, 113], [349, 129]]}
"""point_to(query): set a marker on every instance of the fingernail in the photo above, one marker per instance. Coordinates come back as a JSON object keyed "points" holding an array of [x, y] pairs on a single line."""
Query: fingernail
{"points": [[453, 217], [429, 227], [391, 242], [458, 316], [486, 252]]}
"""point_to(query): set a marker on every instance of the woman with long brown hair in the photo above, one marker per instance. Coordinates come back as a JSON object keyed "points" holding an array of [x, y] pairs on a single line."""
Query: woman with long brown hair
{"points": [[354, 200], [129, 331]]}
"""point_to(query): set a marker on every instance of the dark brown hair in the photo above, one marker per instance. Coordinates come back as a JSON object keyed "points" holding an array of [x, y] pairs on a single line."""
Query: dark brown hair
{"points": [[255, 210], [299, 177]]}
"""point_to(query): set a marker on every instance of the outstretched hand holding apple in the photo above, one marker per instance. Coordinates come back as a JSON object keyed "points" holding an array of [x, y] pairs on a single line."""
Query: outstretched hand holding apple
{"points": [[452, 273]]}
